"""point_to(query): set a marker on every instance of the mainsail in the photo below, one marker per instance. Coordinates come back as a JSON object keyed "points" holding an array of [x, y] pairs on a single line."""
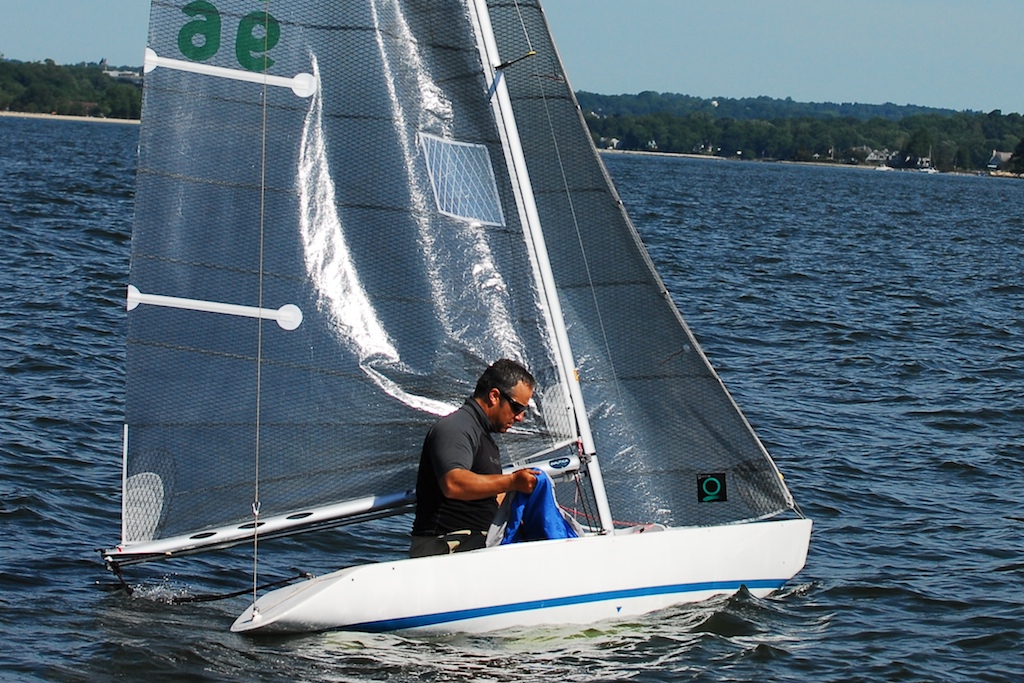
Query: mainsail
{"points": [[361, 183], [330, 245]]}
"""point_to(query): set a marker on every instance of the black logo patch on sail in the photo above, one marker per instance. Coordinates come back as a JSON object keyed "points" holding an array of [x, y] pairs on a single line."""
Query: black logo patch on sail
{"points": [[711, 488]]}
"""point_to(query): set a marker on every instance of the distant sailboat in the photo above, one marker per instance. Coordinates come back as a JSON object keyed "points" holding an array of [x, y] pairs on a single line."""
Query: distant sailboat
{"points": [[926, 164], [344, 212]]}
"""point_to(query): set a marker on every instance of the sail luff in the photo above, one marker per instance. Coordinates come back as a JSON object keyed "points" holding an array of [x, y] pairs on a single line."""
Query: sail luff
{"points": [[502, 107]]}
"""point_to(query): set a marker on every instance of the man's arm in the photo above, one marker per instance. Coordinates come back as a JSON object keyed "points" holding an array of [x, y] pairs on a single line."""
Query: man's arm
{"points": [[461, 484]]}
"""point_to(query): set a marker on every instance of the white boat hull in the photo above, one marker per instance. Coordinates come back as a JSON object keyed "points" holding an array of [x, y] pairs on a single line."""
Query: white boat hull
{"points": [[543, 582]]}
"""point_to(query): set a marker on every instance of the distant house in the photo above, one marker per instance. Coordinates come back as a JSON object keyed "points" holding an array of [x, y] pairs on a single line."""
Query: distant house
{"points": [[880, 156], [998, 158], [874, 156], [126, 76]]}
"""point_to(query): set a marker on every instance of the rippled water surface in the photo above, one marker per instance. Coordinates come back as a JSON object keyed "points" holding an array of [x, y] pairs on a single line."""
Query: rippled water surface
{"points": [[871, 325]]}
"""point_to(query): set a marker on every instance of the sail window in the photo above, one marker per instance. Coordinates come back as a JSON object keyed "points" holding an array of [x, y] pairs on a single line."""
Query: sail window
{"points": [[143, 505], [463, 180]]}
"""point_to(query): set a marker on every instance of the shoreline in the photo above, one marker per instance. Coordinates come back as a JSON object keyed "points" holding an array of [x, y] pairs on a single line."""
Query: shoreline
{"points": [[64, 117], [714, 157], [709, 157], [819, 164], [661, 154]]}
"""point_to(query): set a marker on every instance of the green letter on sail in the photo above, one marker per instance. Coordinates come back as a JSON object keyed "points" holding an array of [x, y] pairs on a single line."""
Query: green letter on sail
{"points": [[252, 45], [199, 39]]}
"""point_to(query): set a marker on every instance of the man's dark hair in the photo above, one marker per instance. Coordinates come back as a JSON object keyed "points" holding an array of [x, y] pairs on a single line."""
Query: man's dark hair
{"points": [[503, 375]]}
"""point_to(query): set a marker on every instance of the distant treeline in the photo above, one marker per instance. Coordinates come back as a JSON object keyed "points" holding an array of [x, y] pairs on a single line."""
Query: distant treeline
{"points": [[765, 128], [746, 108], [83, 90], [748, 128]]}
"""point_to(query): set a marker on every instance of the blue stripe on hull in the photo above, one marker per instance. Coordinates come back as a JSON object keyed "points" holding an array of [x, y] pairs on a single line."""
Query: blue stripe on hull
{"points": [[476, 613]]}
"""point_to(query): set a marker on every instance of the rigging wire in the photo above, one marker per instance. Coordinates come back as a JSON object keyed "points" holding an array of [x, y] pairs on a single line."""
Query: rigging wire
{"points": [[572, 211], [581, 506], [542, 96], [259, 321]]}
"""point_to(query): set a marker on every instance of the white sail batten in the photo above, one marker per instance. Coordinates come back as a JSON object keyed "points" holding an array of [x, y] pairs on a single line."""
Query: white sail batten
{"points": [[288, 316], [303, 84], [520, 177]]}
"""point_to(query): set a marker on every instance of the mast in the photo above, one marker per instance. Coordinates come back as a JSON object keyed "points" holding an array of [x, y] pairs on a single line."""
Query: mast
{"points": [[519, 176]]}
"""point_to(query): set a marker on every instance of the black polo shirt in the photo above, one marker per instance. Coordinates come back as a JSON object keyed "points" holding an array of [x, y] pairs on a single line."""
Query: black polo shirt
{"points": [[460, 440]]}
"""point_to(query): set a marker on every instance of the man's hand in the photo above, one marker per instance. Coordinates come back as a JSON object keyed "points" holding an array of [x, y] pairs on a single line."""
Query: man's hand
{"points": [[524, 481], [461, 484]]}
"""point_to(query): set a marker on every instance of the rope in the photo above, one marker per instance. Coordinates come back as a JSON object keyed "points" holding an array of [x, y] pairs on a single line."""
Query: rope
{"points": [[579, 238], [116, 568]]}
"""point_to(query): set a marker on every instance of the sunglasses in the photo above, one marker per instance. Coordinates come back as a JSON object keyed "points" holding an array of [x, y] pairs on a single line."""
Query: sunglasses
{"points": [[516, 406]]}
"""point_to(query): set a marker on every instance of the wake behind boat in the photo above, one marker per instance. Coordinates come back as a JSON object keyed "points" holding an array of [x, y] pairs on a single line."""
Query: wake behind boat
{"points": [[344, 212]]}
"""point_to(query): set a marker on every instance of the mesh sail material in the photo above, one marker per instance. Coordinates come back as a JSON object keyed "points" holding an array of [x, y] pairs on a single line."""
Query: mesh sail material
{"points": [[313, 188], [666, 430]]}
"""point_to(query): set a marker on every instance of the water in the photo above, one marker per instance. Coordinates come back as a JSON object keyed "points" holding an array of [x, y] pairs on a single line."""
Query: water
{"points": [[870, 324]]}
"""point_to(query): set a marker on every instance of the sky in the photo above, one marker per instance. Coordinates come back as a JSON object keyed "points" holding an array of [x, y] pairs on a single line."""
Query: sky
{"points": [[955, 54]]}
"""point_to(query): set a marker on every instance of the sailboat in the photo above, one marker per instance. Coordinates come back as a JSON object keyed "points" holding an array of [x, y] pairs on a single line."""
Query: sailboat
{"points": [[344, 212]]}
